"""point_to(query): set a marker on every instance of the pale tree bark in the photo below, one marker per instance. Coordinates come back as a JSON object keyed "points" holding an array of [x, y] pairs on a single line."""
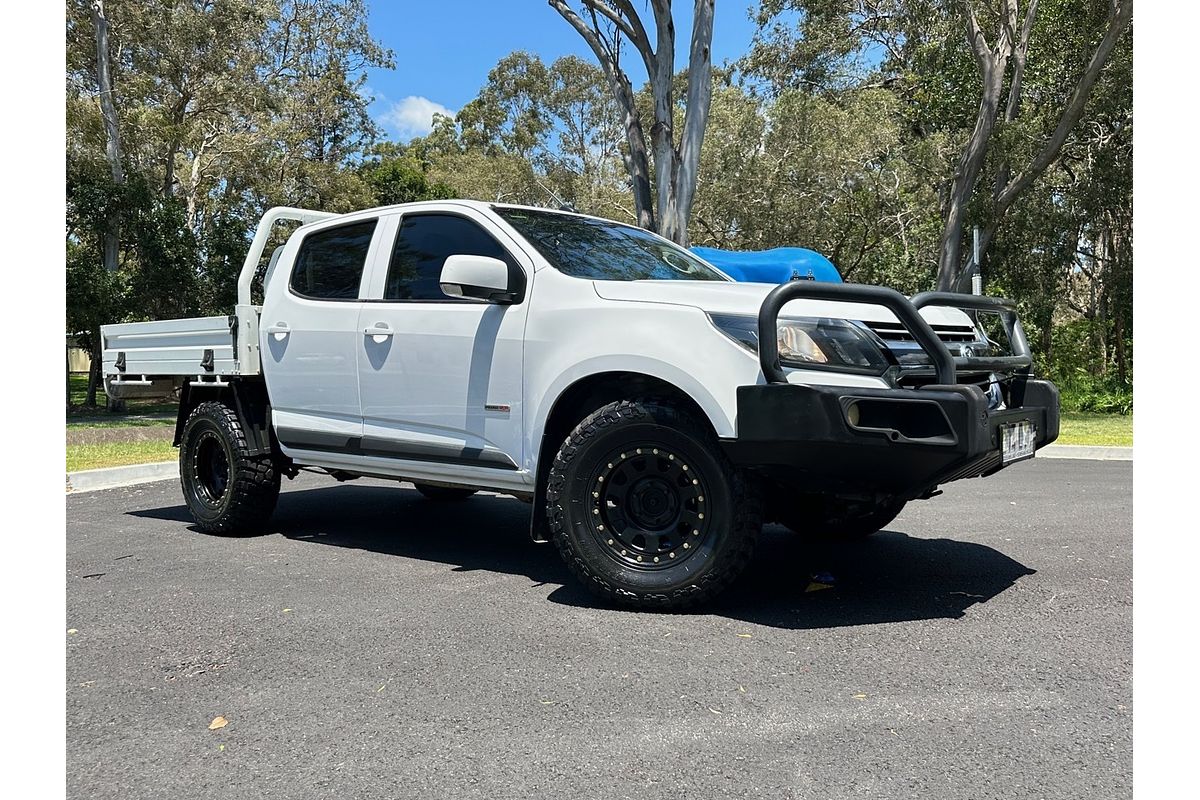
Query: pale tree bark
{"points": [[699, 100], [676, 158], [112, 131], [993, 63], [1013, 107], [637, 161], [1120, 15], [112, 151], [193, 187]]}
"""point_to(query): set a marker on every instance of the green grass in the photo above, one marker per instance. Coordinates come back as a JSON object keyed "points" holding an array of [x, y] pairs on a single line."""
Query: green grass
{"points": [[118, 454], [1081, 427], [117, 421]]}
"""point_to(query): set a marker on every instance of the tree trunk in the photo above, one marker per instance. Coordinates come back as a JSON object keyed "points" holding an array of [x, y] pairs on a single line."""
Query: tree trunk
{"points": [[963, 186], [695, 122], [1006, 191], [1013, 107], [675, 167], [112, 151], [94, 377], [108, 107], [662, 133], [637, 160], [112, 148], [169, 170], [992, 66]]}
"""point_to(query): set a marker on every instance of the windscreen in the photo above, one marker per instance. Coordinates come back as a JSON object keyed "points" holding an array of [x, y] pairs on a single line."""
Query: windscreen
{"points": [[602, 250]]}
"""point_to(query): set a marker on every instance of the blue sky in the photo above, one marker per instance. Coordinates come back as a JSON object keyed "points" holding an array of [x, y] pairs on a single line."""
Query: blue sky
{"points": [[445, 48]]}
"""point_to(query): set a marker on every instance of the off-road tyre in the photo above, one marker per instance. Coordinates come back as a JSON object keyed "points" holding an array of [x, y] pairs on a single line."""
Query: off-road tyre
{"points": [[443, 493], [675, 525], [228, 490], [837, 519]]}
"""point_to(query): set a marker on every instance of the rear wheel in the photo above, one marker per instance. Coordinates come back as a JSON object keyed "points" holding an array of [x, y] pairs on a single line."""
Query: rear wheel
{"points": [[838, 518], [227, 489], [444, 493], [646, 510]]}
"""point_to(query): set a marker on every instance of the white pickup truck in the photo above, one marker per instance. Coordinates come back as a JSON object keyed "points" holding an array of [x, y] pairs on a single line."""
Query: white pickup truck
{"points": [[653, 411]]}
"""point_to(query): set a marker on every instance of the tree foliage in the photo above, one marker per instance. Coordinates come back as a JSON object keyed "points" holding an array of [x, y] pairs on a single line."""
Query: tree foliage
{"points": [[842, 129]]}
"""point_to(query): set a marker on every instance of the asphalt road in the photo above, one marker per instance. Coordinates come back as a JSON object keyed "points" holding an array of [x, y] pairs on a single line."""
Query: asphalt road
{"points": [[376, 644]]}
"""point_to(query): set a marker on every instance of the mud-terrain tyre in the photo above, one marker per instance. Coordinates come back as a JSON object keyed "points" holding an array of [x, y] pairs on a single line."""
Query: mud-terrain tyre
{"points": [[836, 519], [647, 511], [443, 493], [227, 490]]}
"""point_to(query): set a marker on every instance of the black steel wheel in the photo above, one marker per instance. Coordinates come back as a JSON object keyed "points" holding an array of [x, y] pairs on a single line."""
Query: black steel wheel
{"points": [[227, 489], [837, 518], [649, 505], [443, 493], [646, 510]]}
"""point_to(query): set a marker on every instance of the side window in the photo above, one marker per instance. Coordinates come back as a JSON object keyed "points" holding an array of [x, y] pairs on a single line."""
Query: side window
{"points": [[330, 263], [423, 243]]}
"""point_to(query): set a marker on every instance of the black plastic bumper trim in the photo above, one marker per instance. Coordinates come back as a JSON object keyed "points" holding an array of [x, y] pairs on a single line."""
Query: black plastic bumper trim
{"points": [[800, 435]]}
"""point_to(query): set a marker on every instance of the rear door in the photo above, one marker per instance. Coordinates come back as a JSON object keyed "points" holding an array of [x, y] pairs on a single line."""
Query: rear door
{"points": [[441, 381], [310, 335]]}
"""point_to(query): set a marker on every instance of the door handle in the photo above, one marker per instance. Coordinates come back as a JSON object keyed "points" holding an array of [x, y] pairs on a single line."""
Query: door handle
{"points": [[379, 329], [279, 330]]}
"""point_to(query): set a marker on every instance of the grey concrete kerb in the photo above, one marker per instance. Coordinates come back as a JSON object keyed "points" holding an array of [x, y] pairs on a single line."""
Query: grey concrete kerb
{"points": [[91, 480], [1089, 452]]}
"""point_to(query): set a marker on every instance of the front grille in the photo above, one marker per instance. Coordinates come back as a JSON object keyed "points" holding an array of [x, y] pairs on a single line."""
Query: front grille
{"points": [[909, 380], [950, 334]]}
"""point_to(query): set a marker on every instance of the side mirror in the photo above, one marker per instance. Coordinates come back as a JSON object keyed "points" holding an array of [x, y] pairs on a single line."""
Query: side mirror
{"points": [[480, 277]]}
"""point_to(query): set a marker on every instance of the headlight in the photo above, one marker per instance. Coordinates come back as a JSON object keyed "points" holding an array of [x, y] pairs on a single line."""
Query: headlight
{"points": [[808, 342]]}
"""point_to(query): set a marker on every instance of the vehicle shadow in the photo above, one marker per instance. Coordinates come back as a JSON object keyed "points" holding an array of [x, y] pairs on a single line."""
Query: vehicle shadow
{"points": [[888, 577]]}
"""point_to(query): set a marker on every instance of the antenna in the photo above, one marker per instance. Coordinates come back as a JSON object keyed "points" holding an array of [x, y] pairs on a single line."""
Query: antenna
{"points": [[563, 205], [977, 275]]}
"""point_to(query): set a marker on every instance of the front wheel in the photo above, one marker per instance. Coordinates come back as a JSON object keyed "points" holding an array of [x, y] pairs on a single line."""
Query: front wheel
{"points": [[227, 489], [646, 510]]}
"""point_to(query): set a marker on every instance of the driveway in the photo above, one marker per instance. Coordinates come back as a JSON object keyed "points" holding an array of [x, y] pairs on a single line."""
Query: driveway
{"points": [[376, 644]]}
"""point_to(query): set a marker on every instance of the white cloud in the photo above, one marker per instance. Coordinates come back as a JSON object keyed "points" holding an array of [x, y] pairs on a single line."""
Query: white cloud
{"points": [[412, 116]]}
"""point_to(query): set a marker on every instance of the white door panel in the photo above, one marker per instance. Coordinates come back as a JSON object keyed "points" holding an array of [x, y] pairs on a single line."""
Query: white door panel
{"points": [[310, 344], [446, 385], [311, 368], [443, 382]]}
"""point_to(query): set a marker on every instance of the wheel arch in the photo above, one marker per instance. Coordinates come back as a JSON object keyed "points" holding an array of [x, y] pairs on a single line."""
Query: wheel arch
{"points": [[583, 396], [247, 398]]}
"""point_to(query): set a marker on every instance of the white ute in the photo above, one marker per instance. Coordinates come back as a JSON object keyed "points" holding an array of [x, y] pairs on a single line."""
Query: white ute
{"points": [[654, 412]]}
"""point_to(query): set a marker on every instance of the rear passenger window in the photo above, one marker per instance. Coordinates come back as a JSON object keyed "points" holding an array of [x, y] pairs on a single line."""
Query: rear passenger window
{"points": [[330, 263], [423, 244]]}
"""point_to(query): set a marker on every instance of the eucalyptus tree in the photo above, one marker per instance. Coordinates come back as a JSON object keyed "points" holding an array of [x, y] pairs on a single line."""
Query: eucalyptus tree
{"points": [[560, 120], [185, 118], [606, 25], [112, 130], [967, 59]]}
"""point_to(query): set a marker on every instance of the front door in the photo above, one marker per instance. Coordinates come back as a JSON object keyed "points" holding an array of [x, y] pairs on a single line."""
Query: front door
{"points": [[441, 380]]}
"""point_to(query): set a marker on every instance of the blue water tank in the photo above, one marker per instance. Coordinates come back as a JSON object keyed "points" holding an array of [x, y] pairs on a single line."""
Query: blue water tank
{"points": [[777, 265]]}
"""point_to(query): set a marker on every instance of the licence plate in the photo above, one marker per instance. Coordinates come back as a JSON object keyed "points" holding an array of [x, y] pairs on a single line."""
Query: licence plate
{"points": [[1017, 440]]}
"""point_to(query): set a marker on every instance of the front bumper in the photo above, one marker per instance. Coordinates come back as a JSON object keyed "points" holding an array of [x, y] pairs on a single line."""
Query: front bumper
{"points": [[896, 442], [905, 443]]}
